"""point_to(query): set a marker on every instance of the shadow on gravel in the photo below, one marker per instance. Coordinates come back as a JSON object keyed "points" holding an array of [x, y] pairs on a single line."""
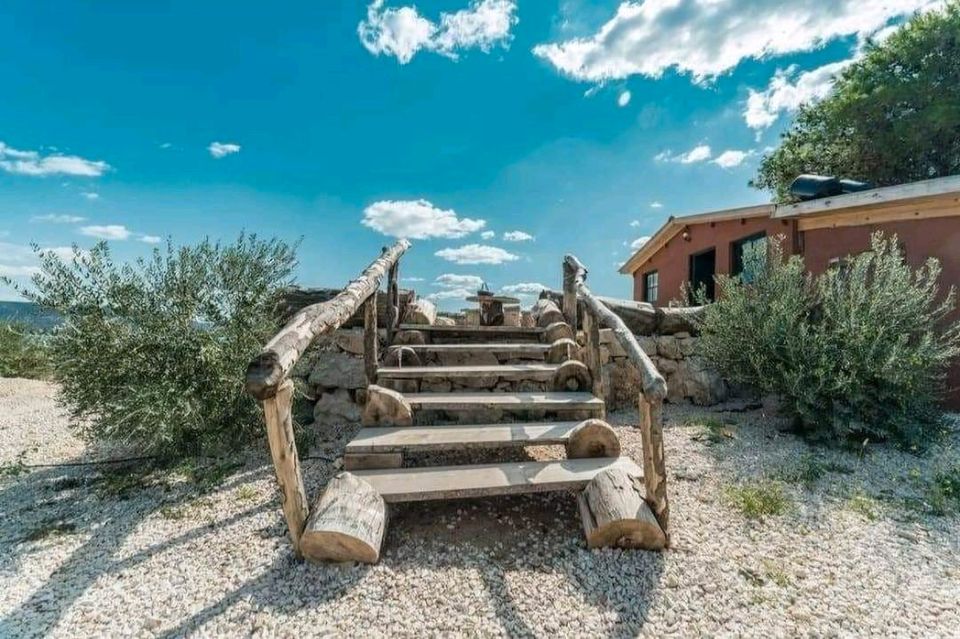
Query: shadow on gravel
{"points": [[107, 506]]}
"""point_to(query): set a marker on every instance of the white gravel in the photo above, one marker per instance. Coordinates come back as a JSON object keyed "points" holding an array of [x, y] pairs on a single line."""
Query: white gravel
{"points": [[166, 560]]}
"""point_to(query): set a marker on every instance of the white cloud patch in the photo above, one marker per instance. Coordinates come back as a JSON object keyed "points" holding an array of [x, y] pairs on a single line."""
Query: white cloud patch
{"points": [[624, 99], [731, 158], [65, 253], [90, 195], [33, 163], [639, 242], [411, 279], [517, 236], [705, 38], [656, 205], [699, 153], [417, 220], [788, 90], [635, 223], [106, 232], [450, 294], [223, 149], [58, 219], [488, 235], [151, 239], [18, 270], [476, 254], [452, 280], [524, 288], [402, 32]]}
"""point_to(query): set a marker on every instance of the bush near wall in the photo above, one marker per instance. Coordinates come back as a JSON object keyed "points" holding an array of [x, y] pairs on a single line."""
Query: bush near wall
{"points": [[861, 350], [153, 353], [23, 352]]}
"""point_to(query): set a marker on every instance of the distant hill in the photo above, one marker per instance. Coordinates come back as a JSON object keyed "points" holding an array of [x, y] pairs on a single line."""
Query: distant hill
{"points": [[28, 313]]}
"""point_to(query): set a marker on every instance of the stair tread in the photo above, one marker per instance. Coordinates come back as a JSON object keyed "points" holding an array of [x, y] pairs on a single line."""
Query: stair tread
{"points": [[495, 347], [525, 371], [493, 330], [482, 480], [460, 436], [454, 401]]}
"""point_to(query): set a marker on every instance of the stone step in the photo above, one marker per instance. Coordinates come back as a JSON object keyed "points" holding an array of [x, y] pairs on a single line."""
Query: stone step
{"points": [[447, 334], [511, 372], [484, 480], [459, 437], [505, 401], [503, 350]]}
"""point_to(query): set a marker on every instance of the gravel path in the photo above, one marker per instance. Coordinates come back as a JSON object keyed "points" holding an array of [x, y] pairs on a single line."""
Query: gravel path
{"points": [[90, 551]]}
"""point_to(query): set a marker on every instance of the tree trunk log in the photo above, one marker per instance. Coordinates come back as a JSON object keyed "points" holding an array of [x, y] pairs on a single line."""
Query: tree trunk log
{"points": [[640, 317], [561, 350], [386, 407], [421, 311], [569, 299], [614, 513], [286, 462], [591, 351], [546, 312], [371, 335], [557, 330], [593, 438], [572, 376], [347, 523], [268, 369], [654, 463], [393, 301], [677, 320]]}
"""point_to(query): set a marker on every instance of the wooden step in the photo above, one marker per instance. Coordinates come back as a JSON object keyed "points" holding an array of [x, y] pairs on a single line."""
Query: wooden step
{"points": [[533, 372], [500, 349], [483, 480], [439, 334], [505, 401], [459, 437]]}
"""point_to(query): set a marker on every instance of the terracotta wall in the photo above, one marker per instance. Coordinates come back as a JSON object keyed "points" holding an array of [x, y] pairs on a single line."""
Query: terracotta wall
{"points": [[672, 262], [935, 237]]}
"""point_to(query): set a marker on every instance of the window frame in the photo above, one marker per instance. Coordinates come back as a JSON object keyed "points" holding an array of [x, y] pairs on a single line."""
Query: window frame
{"points": [[736, 251], [646, 286]]}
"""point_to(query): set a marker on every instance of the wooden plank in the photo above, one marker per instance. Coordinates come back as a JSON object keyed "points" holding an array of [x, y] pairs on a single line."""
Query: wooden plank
{"points": [[508, 401], [497, 348], [944, 186], [460, 437], [484, 480], [363, 461], [880, 215], [473, 330], [537, 372]]}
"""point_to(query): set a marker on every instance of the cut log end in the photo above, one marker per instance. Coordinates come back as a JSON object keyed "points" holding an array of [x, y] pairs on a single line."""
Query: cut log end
{"points": [[414, 338], [421, 311], [400, 357], [557, 330], [614, 513], [593, 438], [562, 350], [546, 312], [386, 407], [572, 376], [347, 523]]}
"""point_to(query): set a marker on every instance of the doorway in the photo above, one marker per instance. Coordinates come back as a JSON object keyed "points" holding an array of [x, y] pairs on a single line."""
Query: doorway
{"points": [[703, 266]]}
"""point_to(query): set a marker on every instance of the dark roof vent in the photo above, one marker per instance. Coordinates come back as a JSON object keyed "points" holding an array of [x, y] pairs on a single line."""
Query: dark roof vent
{"points": [[812, 187]]}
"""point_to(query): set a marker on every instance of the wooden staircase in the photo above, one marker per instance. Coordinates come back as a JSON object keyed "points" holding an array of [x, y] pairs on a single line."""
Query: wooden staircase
{"points": [[348, 520]]}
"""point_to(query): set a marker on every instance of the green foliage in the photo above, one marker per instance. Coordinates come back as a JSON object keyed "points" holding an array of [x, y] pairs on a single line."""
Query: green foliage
{"points": [[153, 353], [860, 350], [809, 468], [943, 494], [23, 352], [893, 117], [758, 499]]}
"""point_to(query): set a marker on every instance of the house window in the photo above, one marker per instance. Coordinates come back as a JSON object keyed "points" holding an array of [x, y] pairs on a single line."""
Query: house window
{"points": [[749, 256], [651, 286]]}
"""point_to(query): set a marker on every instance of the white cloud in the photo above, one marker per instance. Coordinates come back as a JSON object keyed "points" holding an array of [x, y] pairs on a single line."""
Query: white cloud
{"points": [[706, 38], [524, 288], [624, 99], [402, 32], [17, 270], [476, 254], [411, 279], [656, 205], [451, 294], [451, 280], [90, 195], [731, 158], [788, 90], [34, 164], [698, 153], [488, 235], [151, 239], [517, 236], [635, 223], [65, 253], [106, 232], [58, 219], [639, 242], [417, 220], [223, 149]]}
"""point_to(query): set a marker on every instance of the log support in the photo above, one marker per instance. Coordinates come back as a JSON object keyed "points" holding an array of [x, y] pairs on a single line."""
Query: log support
{"points": [[593, 438], [573, 376], [570, 295], [348, 522], [421, 311], [546, 312], [557, 330], [654, 464], [591, 335], [286, 462], [401, 356], [614, 514], [371, 337], [393, 301], [386, 407], [562, 350]]}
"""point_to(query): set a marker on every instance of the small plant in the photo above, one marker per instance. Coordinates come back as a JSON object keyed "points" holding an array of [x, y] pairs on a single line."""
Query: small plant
{"points": [[810, 468], [859, 352], [943, 494], [860, 502], [759, 499], [712, 430], [23, 352], [246, 493], [16, 467]]}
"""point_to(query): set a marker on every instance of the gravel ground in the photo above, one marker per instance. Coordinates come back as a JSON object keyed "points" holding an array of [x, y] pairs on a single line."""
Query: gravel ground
{"points": [[115, 551]]}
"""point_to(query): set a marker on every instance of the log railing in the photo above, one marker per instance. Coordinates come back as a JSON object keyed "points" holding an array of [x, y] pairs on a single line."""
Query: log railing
{"points": [[654, 385], [267, 373]]}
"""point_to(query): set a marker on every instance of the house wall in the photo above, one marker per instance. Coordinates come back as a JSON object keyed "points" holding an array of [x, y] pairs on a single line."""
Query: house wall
{"points": [[672, 262], [920, 239]]}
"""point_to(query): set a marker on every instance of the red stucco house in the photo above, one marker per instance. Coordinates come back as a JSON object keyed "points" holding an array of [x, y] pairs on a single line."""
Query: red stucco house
{"points": [[925, 216]]}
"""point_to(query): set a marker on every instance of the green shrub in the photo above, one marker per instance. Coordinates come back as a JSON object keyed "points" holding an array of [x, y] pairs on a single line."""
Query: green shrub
{"points": [[758, 499], [23, 352], [860, 350], [153, 353]]}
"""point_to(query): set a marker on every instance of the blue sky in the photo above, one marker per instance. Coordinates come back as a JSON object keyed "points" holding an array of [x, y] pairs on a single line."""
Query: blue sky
{"points": [[492, 131]]}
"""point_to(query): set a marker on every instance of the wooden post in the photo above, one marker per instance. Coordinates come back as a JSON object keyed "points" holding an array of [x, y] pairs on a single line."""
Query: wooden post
{"points": [[654, 465], [370, 338], [286, 462], [393, 301], [570, 295], [591, 334]]}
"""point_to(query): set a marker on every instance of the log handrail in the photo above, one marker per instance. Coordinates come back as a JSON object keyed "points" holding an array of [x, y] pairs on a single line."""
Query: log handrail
{"points": [[654, 385], [269, 369]]}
